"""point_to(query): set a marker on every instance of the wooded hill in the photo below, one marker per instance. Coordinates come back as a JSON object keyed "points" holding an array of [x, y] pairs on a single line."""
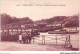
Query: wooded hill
{"points": [[67, 21]]}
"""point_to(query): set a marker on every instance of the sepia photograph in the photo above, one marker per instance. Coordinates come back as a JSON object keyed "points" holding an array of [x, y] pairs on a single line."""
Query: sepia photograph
{"points": [[39, 25]]}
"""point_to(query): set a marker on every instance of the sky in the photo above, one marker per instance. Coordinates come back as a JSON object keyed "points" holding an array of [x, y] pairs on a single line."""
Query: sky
{"points": [[21, 9]]}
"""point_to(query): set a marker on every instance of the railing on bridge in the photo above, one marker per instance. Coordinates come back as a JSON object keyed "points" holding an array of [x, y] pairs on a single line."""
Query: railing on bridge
{"points": [[50, 39]]}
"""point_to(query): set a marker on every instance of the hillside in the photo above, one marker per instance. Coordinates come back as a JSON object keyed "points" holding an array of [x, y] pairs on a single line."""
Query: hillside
{"points": [[66, 21], [72, 21], [7, 19]]}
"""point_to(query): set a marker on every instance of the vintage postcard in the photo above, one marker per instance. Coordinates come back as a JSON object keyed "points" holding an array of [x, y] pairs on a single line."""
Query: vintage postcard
{"points": [[45, 25]]}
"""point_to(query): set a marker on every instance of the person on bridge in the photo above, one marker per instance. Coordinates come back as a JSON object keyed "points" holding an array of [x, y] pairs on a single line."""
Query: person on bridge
{"points": [[20, 38], [29, 37], [24, 37]]}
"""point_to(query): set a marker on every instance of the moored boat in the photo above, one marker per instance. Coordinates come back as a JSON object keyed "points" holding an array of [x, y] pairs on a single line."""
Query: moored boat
{"points": [[57, 32], [62, 32], [72, 32]]}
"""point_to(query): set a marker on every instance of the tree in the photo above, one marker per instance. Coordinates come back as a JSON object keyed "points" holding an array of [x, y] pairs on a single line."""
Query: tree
{"points": [[5, 19]]}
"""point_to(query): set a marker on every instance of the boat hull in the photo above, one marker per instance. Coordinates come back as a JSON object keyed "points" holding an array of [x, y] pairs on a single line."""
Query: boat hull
{"points": [[62, 32]]}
